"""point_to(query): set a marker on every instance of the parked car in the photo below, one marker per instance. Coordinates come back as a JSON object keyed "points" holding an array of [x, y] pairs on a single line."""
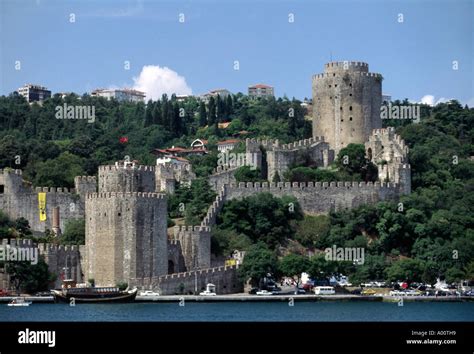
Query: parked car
{"points": [[207, 293], [263, 292], [368, 292], [43, 293], [356, 291], [324, 290], [148, 293]]}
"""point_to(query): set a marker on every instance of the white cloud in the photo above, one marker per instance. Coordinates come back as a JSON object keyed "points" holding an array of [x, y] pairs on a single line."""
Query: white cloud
{"points": [[428, 99], [155, 81], [432, 101]]}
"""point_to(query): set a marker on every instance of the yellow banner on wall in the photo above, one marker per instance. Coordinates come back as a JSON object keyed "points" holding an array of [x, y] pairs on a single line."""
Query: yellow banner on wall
{"points": [[230, 262], [42, 206]]}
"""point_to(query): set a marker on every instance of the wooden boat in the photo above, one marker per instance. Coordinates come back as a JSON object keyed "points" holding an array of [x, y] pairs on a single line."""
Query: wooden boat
{"points": [[93, 294]]}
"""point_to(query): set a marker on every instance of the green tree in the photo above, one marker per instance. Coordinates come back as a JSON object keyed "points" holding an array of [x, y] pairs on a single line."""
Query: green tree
{"points": [[29, 277], [258, 262], [248, 174], [212, 115], [202, 114], [408, 270], [74, 232], [293, 265]]}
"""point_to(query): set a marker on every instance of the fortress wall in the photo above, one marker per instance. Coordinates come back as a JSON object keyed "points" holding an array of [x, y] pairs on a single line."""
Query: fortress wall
{"points": [[196, 245], [175, 257], [62, 260], [126, 236], [224, 278], [20, 199], [127, 179], [221, 176], [318, 198], [388, 151]]}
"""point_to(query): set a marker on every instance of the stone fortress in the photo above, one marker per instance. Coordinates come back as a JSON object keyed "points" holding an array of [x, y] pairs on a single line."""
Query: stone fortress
{"points": [[125, 207]]}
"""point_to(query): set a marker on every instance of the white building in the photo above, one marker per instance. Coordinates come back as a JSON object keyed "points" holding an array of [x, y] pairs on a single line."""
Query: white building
{"points": [[34, 92], [261, 90], [227, 145], [223, 93], [120, 94]]}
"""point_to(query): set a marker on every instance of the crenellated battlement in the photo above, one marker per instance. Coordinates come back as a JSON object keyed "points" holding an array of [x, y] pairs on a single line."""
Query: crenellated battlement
{"points": [[266, 143], [224, 169], [328, 75], [52, 248], [43, 247], [344, 64], [179, 229], [55, 190], [86, 179], [128, 167], [192, 273], [125, 195], [259, 186], [172, 167], [18, 242], [302, 143]]}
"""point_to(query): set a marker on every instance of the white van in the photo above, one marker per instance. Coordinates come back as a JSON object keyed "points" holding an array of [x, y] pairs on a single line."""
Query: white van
{"points": [[324, 290]]}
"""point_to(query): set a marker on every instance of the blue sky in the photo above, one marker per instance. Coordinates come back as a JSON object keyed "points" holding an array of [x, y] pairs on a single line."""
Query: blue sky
{"points": [[415, 56]]}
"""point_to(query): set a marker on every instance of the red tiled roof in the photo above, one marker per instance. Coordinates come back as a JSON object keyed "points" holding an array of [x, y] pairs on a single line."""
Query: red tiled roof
{"points": [[230, 141], [260, 86]]}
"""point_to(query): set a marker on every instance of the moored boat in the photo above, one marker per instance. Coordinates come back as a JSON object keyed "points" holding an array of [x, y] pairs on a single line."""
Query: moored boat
{"points": [[19, 301], [94, 294]]}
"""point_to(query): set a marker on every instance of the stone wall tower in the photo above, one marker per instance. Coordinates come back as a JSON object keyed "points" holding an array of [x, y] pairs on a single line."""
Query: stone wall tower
{"points": [[346, 103], [126, 226]]}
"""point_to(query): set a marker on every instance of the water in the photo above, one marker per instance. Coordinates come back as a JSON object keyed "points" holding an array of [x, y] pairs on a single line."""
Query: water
{"points": [[244, 311]]}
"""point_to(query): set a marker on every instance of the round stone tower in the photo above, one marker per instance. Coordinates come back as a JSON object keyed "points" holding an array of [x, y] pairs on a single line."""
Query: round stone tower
{"points": [[346, 103]]}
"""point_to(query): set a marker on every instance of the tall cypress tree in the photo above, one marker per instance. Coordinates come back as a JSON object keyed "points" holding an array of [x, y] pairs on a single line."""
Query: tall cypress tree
{"points": [[202, 114], [149, 113], [229, 105], [212, 112]]}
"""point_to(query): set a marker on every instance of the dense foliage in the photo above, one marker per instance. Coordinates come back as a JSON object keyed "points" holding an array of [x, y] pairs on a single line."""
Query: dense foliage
{"points": [[52, 151]]}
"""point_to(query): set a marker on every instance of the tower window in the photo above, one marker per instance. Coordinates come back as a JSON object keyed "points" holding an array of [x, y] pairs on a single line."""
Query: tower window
{"points": [[342, 120], [119, 214], [329, 86], [350, 85], [330, 97], [335, 85], [350, 118], [341, 108], [350, 108], [350, 94], [2, 189], [334, 74]]}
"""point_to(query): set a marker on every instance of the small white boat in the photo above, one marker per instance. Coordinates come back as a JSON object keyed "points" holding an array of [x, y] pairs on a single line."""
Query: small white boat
{"points": [[19, 301]]}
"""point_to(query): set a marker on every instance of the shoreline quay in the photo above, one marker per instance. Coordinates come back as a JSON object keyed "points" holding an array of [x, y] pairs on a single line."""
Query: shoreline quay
{"points": [[268, 298]]}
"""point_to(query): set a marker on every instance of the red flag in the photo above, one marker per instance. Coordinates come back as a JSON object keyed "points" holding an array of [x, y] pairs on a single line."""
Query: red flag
{"points": [[123, 140]]}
